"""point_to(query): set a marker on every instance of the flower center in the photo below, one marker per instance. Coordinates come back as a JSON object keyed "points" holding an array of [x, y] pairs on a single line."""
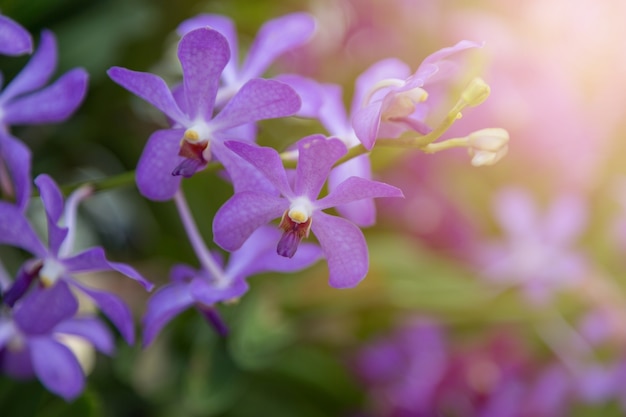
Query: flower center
{"points": [[195, 147], [50, 272], [296, 225]]}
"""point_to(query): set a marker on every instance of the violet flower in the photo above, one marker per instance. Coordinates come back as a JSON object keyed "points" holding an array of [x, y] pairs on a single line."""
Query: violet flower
{"points": [[25, 102], [396, 104], [56, 264], [31, 341], [197, 136], [275, 37], [537, 253], [325, 103], [202, 290], [342, 242], [14, 39]]}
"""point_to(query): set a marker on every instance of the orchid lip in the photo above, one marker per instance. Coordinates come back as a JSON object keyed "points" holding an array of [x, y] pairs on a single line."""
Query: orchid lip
{"points": [[293, 231]]}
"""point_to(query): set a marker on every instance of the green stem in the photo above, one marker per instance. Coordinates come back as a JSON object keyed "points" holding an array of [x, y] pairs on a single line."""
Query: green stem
{"points": [[406, 141]]}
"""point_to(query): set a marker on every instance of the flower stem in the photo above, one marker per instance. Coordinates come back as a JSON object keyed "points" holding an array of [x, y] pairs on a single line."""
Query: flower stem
{"points": [[202, 252]]}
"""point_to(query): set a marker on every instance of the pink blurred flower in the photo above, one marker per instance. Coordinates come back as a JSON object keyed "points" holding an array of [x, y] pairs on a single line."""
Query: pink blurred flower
{"points": [[537, 252]]}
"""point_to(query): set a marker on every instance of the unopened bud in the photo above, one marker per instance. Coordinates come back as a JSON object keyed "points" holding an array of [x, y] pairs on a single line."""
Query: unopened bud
{"points": [[488, 146], [476, 92]]}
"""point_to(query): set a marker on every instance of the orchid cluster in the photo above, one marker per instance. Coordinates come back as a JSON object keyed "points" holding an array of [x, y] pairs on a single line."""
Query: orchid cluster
{"points": [[212, 115], [419, 371]]}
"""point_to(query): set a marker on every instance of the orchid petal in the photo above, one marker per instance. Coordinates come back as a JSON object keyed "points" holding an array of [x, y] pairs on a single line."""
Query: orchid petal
{"points": [[42, 309], [14, 39], [223, 25], [516, 212], [182, 274], [209, 294], [17, 363], [56, 367], [366, 122], [389, 68], [565, 219], [27, 273], [54, 103], [16, 231], [235, 221], [356, 188], [258, 99], [316, 157], [52, 200], [244, 176], [267, 161], [17, 158], [150, 88], [92, 260], [115, 309], [203, 54], [38, 70], [163, 306], [309, 92], [258, 254], [361, 212], [442, 54], [159, 158], [333, 112], [91, 329], [276, 37], [345, 249]]}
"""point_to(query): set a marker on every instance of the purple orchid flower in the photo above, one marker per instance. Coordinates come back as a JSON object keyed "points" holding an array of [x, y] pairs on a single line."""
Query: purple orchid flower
{"points": [[537, 253], [25, 102], [342, 242], [14, 39], [197, 136], [395, 104], [31, 341], [325, 103], [275, 37], [202, 290], [56, 264]]}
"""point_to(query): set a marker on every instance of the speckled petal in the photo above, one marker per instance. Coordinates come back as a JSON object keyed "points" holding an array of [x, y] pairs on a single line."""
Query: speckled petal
{"points": [[203, 54], [258, 99], [245, 212], [356, 188], [316, 157], [226, 27], [361, 212], [264, 159], [159, 158], [244, 176], [150, 88], [345, 249]]}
